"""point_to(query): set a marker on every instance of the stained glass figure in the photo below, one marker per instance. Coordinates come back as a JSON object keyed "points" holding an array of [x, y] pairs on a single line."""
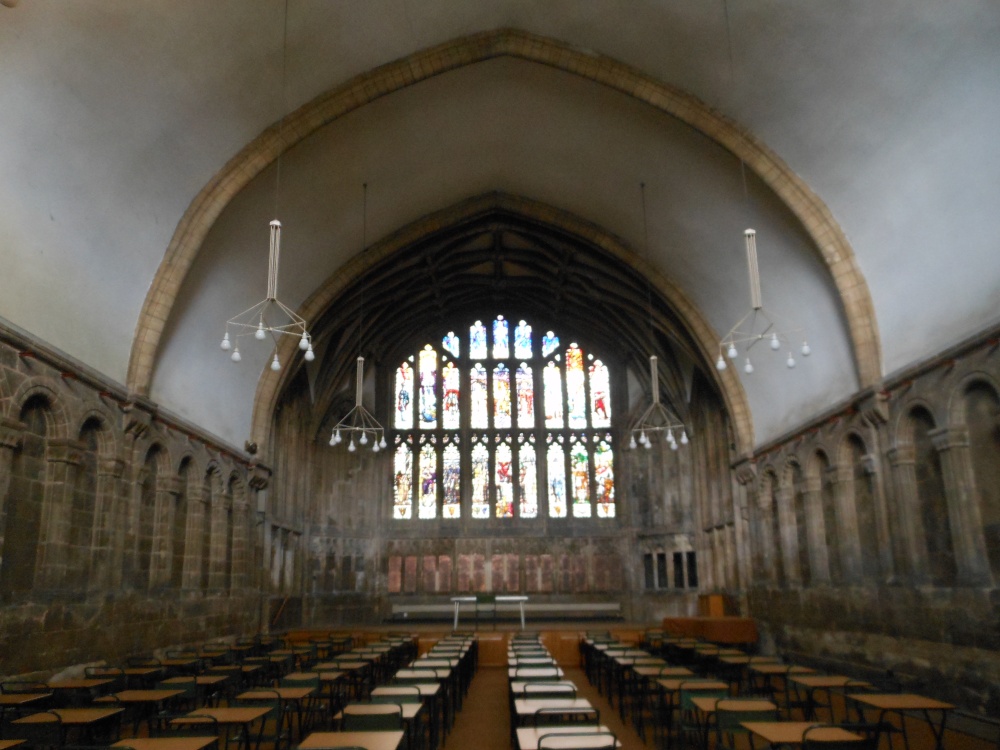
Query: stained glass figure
{"points": [[552, 385], [428, 379], [451, 385], [403, 482], [478, 412], [556, 469], [480, 481], [501, 396], [501, 338], [428, 482], [576, 397], [404, 397], [580, 471], [600, 401], [450, 343], [477, 340], [522, 341], [525, 396], [550, 342], [451, 475], [504, 481], [604, 478], [527, 479]]}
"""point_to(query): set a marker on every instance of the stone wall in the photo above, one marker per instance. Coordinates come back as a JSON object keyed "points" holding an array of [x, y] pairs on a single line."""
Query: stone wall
{"points": [[875, 531]]}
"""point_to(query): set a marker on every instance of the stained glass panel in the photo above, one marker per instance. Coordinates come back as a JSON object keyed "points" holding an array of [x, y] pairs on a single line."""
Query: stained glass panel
{"points": [[501, 397], [525, 396], [504, 481], [428, 482], [604, 477], [576, 397], [522, 341], [550, 342], [477, 340], [480, 481], [450, 343], [451, 476], [527, 480], [501, 338], [451, 382], [403, 482], [580, 471], [552, 383], [428, 379], [600, 402], [478, 411], [556, 467], [404, 397]]}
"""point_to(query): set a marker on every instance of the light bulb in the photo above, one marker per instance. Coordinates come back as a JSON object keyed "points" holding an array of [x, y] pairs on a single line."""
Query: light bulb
{"points": [[333, 438], [673, 446], [684, 437], [226, 343], [631, 445], [670, 435], [790, 361], [309, 355], [235, 356], [381, 443], [806, 351], [720, 364], [374, 447], [775, 344], [351, 447], [259, 333], [275, 364], [731, 351], [748, 368], [304, 342], [642, 438], [364, 438], [648, 444], [337, 439]]}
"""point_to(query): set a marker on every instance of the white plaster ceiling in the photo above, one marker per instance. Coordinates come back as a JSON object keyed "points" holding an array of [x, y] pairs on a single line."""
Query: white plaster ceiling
{"points": [[115, 114]]}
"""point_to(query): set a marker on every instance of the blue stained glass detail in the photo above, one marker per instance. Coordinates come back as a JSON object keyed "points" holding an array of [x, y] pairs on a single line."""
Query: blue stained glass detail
{"points": [[477, 340], [522, 341], [451, 343], [550, 342], [501, 339]]}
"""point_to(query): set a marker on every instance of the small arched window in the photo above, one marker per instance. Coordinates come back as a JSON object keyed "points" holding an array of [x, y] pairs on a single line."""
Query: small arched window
{"points": [[499, 422]]}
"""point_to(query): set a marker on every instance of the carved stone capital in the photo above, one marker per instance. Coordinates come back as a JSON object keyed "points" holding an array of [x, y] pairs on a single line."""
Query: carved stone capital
{"points": [[869, 464], [137, 416], [746, 472], [902, 454], [111, 467], [874, 408], [259, 478], [172, 485], [64, 451], [946, 438], [11, 432]]}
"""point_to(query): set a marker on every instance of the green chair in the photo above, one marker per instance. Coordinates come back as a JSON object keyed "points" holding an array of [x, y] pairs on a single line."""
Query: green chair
{"points": [[372, 717]]}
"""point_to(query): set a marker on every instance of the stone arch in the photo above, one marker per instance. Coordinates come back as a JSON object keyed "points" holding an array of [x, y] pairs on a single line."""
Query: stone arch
{"points": [[821, 470], [932, 502], [794, 478], [56, 413], [179, 537], [979, 417], [860, 518], [814, 215], [768, 527], [154, 465], [109, 437]]}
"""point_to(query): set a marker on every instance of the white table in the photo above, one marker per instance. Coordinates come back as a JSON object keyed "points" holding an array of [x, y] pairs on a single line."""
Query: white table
{"points": [[458, 601]]}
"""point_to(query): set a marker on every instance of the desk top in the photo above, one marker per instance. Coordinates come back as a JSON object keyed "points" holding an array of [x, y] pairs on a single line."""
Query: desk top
{"points": [[143, 696], [166, 743], [791, 732], [900, 702], [544, 672], [780, 669], [410, 710], [6, 744], [520, 688], [285, 693], [202, 679], [658, 671], [234, 715], [331, 676], [19, 699], [370, 740], [71, 715], [824, 680], [528, 737], [81, 684], [426, 690], [674, 684], [528, 707], [708, 705]]}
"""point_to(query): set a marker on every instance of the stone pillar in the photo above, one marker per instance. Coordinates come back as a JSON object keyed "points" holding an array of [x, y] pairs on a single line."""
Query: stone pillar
{"points": [[914, 551], [762, 542], [746, 475], [875, 412], [10, 439], [848, 540], [63, 457], [168, 488], [972, 561], [241, 545], [819, 563], [784, 497], [194, 525], [109, 513], [217, 522]]}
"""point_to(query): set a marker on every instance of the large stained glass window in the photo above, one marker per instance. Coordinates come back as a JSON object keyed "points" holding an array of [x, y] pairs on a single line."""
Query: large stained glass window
{"points": [[468, 440]]}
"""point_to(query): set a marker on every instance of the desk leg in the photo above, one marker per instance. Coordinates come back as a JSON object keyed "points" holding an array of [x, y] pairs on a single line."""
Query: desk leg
{"points": [[522, 614], [455, 626]]}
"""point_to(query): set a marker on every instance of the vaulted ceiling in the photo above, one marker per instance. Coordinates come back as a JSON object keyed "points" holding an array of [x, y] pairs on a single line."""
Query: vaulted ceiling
{"points": [[139, 168]]}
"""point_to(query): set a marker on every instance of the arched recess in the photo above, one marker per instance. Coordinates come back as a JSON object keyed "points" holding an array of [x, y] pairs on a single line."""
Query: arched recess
{"points": [[816, 218], [700, 342]]}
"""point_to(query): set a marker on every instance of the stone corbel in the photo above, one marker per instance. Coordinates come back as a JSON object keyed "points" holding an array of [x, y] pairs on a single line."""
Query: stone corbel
{"points": [[259, 477], [869, 464], [11, 433], [172, 485], [746, 472], [902, 453], [111, 467], [64, 451], [874, 408], [946, 438], [137, 416]]}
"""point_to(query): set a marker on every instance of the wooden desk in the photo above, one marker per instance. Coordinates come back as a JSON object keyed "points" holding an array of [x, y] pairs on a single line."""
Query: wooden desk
{"points": [[7, 744], [543, 673], [166, 743], [813, 682], [369, 740], [236, 717], [85, 719], [529, 737], [526, 708], [791, 732], [901, 703]]}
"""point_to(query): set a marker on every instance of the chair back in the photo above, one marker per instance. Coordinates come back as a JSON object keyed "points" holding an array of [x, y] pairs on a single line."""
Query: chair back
{"points": [[400, 694], [536, 674], [372, 717], [415, 676], [695, 688], [578, 741], [559, 716], [541, 690]]}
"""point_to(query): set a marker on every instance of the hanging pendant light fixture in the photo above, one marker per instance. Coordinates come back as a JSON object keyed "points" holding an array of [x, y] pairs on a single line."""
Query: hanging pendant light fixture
{"points": [[657, 420], [270, 318], [359, 422]]}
